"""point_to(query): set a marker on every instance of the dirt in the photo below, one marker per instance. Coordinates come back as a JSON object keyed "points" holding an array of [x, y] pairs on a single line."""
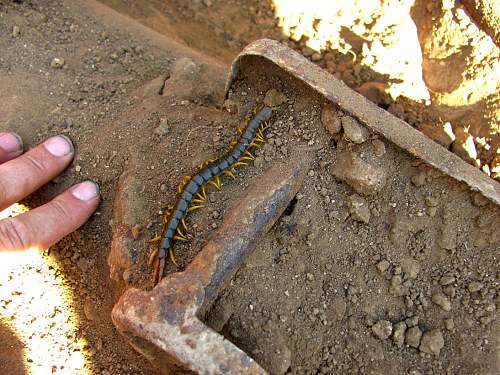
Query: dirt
{"points": [[141, 120]]}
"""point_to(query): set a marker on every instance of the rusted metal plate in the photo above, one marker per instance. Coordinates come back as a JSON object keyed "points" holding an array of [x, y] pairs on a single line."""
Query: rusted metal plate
{"points": [[164, 323], [375, 118]]}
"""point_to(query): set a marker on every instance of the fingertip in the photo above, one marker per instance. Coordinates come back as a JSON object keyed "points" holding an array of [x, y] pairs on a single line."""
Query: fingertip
{"points": [[59, 146], [86, 191], [11, 143]]}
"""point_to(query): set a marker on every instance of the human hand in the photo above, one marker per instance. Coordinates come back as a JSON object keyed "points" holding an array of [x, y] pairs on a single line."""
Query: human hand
{"points": [[22, 174]]}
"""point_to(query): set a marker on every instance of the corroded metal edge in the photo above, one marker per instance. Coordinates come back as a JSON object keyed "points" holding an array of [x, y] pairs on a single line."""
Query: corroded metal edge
{"points": [[375, 118], [164, 324]]}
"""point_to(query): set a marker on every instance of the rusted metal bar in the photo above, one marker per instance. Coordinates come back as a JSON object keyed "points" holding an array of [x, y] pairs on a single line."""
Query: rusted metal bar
{"points": [[164, 324]]}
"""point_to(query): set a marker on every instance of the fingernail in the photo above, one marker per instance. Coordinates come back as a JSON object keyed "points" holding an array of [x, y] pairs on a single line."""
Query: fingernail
{"points": [[85, 191], [59, 145], [10, 143]]}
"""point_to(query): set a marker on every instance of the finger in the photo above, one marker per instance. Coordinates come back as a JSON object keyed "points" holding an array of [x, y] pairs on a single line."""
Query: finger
{"points": [[47, 224], [26, 173], [11, 146]]}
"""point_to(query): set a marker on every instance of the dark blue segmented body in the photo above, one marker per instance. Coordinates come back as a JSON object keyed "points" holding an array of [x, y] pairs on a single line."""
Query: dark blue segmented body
{"points": [[203, 176]]}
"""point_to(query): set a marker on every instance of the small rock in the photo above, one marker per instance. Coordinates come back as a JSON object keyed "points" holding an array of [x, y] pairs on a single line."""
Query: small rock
{"points": [[418, 179], [413, 336], [479, 200], [440, 299], [274, 98], [432, 342], [354, 132], [440, 133], [163, 188], [412, 322], [330, 120], [163, 128], [57, 63], [449, 324], [399, 334], [136, 231], [78, 168], [446, 280], [89, 309], [15, 31], [410, 267], [358, 208], [378, 147], [310, 276], [339, 307], [382, 266], [382, 329], [364, 178], [475, 286], [230, 106]]}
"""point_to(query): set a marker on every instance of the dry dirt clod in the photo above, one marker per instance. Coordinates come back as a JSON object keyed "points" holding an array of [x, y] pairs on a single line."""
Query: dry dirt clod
{"points": [[383, 265], [382, 329], [378, 147], [363, 177], [413, 336], [474, 286], [353, 131], [411, 267], [358, 208], [57, 62], [419, 178], [330, 119], [163, 128], [15, 31], [440, 299], [274, 98], [432, 342], [399, 334]]}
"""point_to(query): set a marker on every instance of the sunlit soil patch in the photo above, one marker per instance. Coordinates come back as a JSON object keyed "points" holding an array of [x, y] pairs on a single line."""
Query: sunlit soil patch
{"points": [[36, 303]]}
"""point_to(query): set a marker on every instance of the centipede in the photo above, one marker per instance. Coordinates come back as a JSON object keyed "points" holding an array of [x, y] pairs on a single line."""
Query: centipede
{"points": [[192, 193]]}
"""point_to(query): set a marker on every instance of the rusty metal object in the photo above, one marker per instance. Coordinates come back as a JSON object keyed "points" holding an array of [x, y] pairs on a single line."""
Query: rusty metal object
{"points": [[373, 117], [164, 324]]}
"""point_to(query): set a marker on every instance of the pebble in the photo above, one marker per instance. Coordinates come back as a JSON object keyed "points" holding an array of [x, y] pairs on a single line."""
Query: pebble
{"points": [[440, 299], [353, 131], [449, 324], [474, 287], [446, 280], [339, 308], [330, 120], [432, 342], [478, 199], [136, 231], [418, 179], [274, 98], [57, 63], [364, 178], [410, 267], [89, 309], [382, 329], [358, 208], [382, 266], [163, 128], [15, 31], [399, 334], [378, 147], [413, 336], [310, 277]]}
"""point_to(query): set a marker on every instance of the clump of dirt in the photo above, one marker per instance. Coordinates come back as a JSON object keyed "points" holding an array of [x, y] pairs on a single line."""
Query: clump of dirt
{"points": [[382, 264]]}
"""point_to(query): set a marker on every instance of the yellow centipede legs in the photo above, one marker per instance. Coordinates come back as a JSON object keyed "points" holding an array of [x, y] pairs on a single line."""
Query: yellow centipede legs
{"points": [[183, 222], [195, 207], [183, 183], [239, 164], [172, 257], [215, 182], [229, 173]]}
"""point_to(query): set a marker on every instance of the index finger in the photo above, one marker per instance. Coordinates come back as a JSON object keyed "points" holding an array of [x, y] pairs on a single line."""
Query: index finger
{"points": [[25, 174]]}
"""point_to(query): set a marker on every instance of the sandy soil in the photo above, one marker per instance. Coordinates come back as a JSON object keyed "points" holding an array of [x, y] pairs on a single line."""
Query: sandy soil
{"points": [[142, 118]]}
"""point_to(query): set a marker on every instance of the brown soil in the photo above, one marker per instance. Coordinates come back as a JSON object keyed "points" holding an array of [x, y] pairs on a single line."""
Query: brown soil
{"points": [[141, 122]]}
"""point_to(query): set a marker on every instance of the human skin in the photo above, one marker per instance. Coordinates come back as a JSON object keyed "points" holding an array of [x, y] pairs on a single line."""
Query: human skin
{"points": [[22, 174]]}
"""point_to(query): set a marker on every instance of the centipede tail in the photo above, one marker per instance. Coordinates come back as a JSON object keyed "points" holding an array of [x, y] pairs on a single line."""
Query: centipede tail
{"points": [[192, 192]]}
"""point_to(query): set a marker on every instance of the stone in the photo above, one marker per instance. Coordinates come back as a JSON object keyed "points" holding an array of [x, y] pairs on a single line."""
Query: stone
{"points": [[418, 179], [440, 299], [446, 280], [410, 267], [413, 336], [163, 128], [432, 342], [274, 98], [353, 131], [398, 336], [474, 286], [383, 265], [330, 120], [363, 177], [449, 324], [382, 329], [338, 309], [57, 63], [89, 309], [15, 31], [378, 147], [440, 133], [358, 208]]}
